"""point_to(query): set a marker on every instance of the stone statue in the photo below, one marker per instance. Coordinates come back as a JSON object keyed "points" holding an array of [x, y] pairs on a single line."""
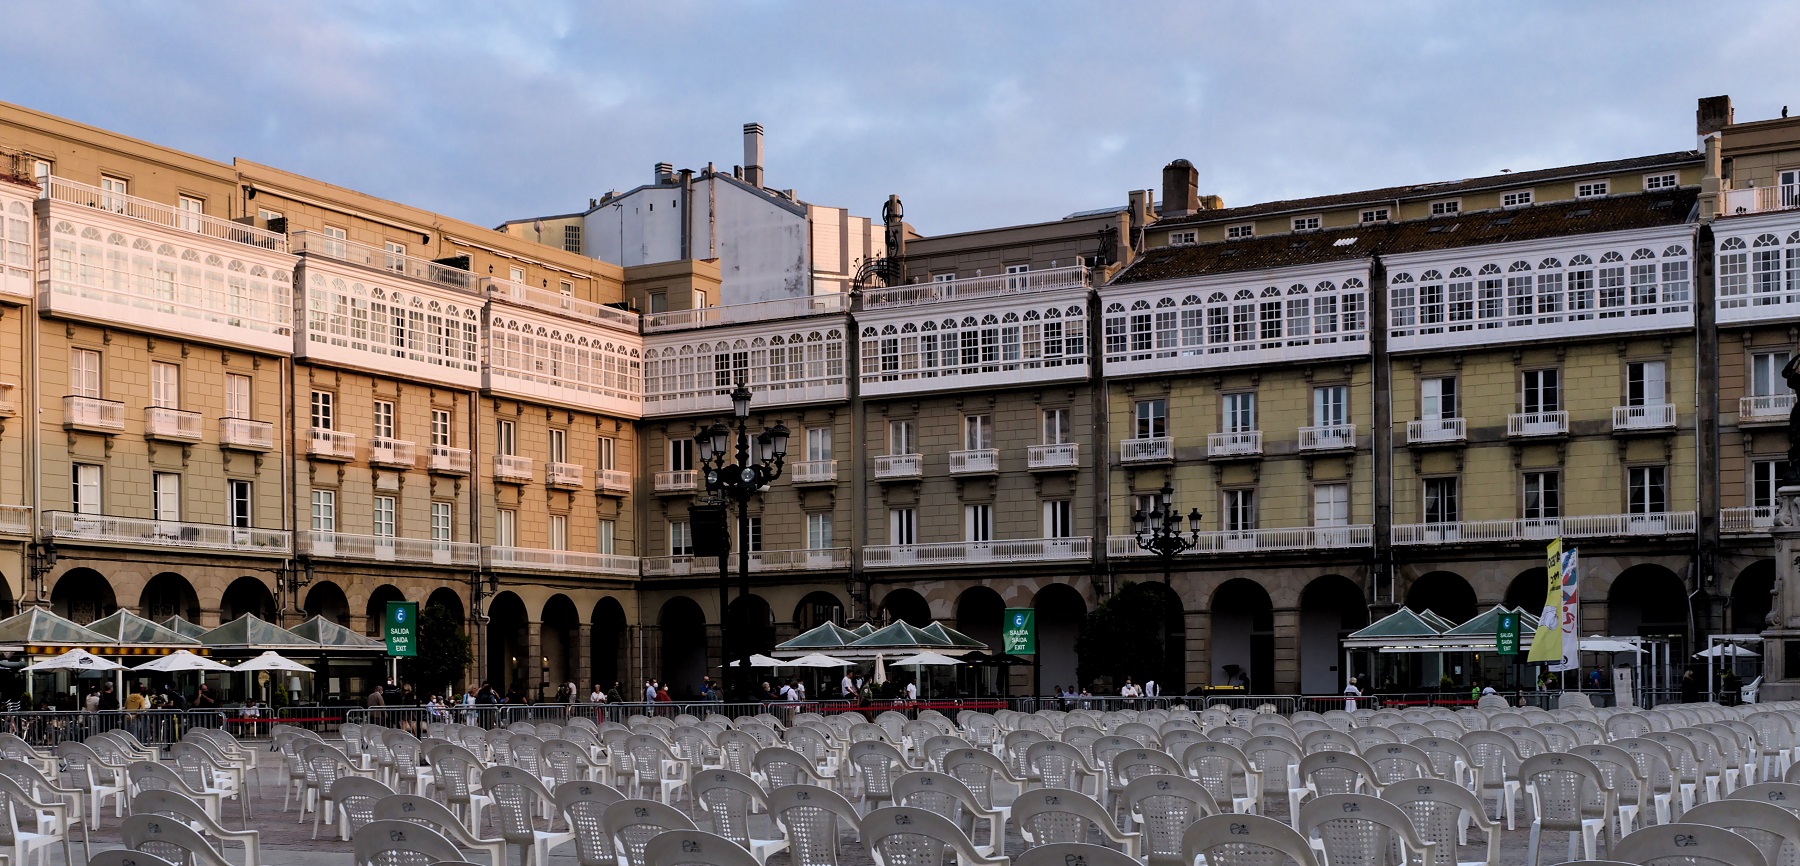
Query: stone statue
{"points": [[1791, 373]]}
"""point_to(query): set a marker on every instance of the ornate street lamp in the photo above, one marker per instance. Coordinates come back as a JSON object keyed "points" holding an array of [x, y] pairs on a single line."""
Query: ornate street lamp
{"points": [[739, 482], [1158, 531]]}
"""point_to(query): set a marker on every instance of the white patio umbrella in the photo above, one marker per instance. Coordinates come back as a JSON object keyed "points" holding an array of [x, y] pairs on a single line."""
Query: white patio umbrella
{"points": [[816, 660], [75, 660], [880, 670], [758, 660], [271, 660], [182, 660], [1724, 650], [926, 658]]}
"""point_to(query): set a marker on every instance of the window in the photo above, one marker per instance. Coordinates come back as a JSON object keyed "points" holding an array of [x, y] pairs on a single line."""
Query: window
{"points": [[903, 526], [1239, 511], [443, 515], [1306, 223], [1239, 412], [1056, 426], [1331, 406], [1437, 399], [165, 496], [113, 190], [1653, 182], [1234, 233], [659, 302], [1447, 206], [1540, 392], [323, 418], [165, 385], [237, 503], [1648, 489], [1177, 239], [700, 300], [384, 419], [900, 437], [506, 438], [559, 532], [606, 541], [1646, 383], [1591, 189], [1440, 501], [565, 288], [383, 524], [1765, 373], [978, 523], [818, 531], [266, 216], [1015, 277], [1543, 495], [1331, 505], [237, 396], [1516, 199], [609, 451], [681, 454], [756, 533], [559, 445], [1152, 418], [1765, 477], [517, 275], [334, 241], [978, 432], [84, 373], [85, 492], [506, 528], [681, 538], [572, 238], [818, 443], [1059, 519], [1145, 503], [440, 427], [324, 511], [396, 257], [1377, 215], [191, 210]]}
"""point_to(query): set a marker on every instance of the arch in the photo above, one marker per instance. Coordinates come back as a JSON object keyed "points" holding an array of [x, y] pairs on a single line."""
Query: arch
{"points": [[1060, 613], [247, 595], [1243, 635], [327, 599], [607, 643], [169, 594], [1444, 593], [1751, 598], [905, 605], [446, 598], [684, 655], [82, 595], [1649, 600], [507, 643], [979, 614], [1331, 607], [1527, 590], [559, 636], [752, 629], [816, 609], [375, 614], [8, 605]]}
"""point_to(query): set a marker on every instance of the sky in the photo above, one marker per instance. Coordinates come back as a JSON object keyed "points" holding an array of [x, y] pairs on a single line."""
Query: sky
{"points": [[977, 114]]}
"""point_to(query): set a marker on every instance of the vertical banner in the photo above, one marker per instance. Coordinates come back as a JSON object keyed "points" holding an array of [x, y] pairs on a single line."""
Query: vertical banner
{"points": [[402, 628], [1018, 634], [1570, 625], [1546, 642]]}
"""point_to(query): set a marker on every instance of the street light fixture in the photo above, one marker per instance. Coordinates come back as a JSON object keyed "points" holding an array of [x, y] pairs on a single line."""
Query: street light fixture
{"points": [[1158, 531], [740, 482]]}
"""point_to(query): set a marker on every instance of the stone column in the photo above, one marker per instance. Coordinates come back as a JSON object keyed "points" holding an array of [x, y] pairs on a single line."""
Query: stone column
{"points": [[584, 661], [1287, 651], [1781, 681], [534, 661], [1199, 652]]}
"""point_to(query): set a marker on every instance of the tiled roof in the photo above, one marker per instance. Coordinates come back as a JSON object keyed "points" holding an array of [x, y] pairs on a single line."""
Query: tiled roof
{"points": [[1473, 228]]}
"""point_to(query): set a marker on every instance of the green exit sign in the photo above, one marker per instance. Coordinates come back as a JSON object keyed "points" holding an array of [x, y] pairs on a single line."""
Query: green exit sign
{"points": [[1506, 635], [402, 630]]}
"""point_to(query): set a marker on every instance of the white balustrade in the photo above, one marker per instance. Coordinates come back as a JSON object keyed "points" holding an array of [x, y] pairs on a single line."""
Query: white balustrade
{"points": [[899, 465], [1765, 408], [174, 424], [963, 288], [512, 468], [1244, 443], [1435, 430], [331, 444], [1328, 437], [244, 434], [565, 474], [448, 461], [1654, 417], [1149, 449], [93, 413], [677, 481], [1746, 519], [387, 548], [1537, 424], [813, 471], [393, 452], [536, 559], [100, 528], [978, 461], [1066, 455], [1543, 529], [977, 552]]}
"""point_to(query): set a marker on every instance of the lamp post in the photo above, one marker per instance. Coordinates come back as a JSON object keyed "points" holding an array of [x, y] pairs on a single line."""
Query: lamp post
{"points": [[739, 482], [1158, 531]]}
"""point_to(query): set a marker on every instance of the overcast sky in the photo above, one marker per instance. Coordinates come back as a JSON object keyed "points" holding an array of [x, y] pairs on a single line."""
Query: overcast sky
{"points": [[977, 114]]}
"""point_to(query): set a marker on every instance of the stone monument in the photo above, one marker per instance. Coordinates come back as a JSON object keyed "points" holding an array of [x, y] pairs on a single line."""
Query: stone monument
{"points": [[1781, 634]]}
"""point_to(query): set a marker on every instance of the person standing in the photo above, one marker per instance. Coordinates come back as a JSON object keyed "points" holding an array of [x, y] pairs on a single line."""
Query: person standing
{"points": [[847, 687], [1690, 687], [596, 696], [649, 691], [912, 691], [1351, 693]]}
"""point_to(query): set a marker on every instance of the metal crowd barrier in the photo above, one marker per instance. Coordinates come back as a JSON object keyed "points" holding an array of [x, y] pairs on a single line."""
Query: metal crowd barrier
{"points": [[150, 727]]}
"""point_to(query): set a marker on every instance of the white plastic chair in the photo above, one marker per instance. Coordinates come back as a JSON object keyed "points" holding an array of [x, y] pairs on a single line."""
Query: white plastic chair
{"points": [[403, 843], [170, 804], [695, 848], [1046, 815], [583, 805], [415, 809], [1245, 840], [915, 837], [731, 799], [1357, 828], [1159, 808], [1073, 854], [1567, 793], [813, 819], [169, 838], [631, 824], [1442, 811], [1775, 830], [519, 795], [1684, 844], [946, 795]]}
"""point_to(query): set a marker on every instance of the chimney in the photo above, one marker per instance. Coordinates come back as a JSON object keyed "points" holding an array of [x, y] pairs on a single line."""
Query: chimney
{"points": [[665, 173], [753, 153], [1143, 204], [1713, 115], [1181, 189]]}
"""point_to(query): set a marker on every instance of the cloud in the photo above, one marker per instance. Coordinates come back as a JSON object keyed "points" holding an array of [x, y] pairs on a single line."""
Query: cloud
{"points": [[976, 114]]}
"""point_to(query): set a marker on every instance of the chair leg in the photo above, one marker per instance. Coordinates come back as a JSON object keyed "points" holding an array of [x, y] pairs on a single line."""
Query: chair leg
{"points": [[1531, 844]]}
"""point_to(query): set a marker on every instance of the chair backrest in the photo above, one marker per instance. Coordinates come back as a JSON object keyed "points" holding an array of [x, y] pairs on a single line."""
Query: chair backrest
{"points": [[1056, 764], [517, 793], [729, 798], [1073, 854], [1218, 767], [1327, 740], [813, 820], [1395, 761], [1566, 786], [695, 848], [1161, 807], [1245, 840], [583, 804], [1438, 810], [1046, 815], [401, 843], [127, 857], [356, 797], [631, 824], [1337, 773], [170, 839], [1783, 794], [1688, 845], [877, 762], [425, 811], [916, 837], [1357, 828], [976, 769], [153, 774], [1132, 764], [1769, 826]]}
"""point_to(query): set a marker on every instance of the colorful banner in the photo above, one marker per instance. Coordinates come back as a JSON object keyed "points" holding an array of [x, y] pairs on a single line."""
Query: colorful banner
{"points": [[1570, 624], [1546, 642]]}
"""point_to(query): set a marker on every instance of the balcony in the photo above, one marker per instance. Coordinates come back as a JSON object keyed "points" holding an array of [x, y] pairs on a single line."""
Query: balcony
{"points": [[8, 407], [397, 453], [826, 559], [1544, 529], [384, 548], [1436, 431], [1328, 437], [445, 460], [243, 434], [977, 552], [738, 314], [93, 414], [1743, 520], [1643, 419], [1765, 409], [172, 425], [557, 302], [512, 469], [1524, 425], [15, 520], [1261, 540], [566, 476], [331, 445], [157, 213], [899, 467], [1246, 444], [976, 287], [677, 481], [376, 258], [1760, 199], [813, 472], [1053, 458], [1151, 449], [978, 461], [68, 526], [535, 559], [615, 481]]}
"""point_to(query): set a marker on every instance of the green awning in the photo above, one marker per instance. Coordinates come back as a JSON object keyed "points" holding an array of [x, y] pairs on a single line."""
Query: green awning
{"points": [[183, 627], [125, 627], [953, 637], [38, 626], [329, 634], [252, 632], [864, 630], [1402, 623], [826, 636], [900, 636], [1486, 624], [1435, 620]]}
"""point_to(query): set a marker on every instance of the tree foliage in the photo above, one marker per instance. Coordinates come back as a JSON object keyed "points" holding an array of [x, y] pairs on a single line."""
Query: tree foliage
{"points": [[443, 653], [1123, 636]]}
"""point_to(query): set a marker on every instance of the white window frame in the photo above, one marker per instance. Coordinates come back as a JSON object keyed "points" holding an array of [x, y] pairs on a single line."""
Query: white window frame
{"points": [[1516, 198], [1308, 223], [383, 419], [978, 431], [900, 437], [1644, 485], [1237, 509], [384, 517], [681, 454], [1647, 383], [324, 414], [1661, 181], [190, 208], [1059, 518], [1240, 232], [87, 494], [1331, 505], [238, 400], [506, 438], [903, 526], [609, 453], [978, 523], [818, 443], [165, 385], [558, 525], [1765, 373], [1434, 403], [1237, 412], [1374, 215], [1593, 189], [1184, 238], [1446, 206], [1055, 425], [1449, 507], [441, 429], [681, 538], [1540, 494], [1331, 405], [240, 504], [506, 527], [1765, 478], [819, 530], [1530, 380], [606, 537], [443, 521], [165, 496], [324, 511], [86, 373], [557, 440], [396, 256], [755, 522], [1150, 418]]}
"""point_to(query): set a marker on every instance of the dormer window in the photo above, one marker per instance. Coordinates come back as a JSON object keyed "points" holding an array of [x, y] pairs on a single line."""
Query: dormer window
{"points": [[1516, 199], [1592, 189], [1246, 230], [1653, 182], [1446, 206], [1306, 223], [1178, 239], [1374, 215]]}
